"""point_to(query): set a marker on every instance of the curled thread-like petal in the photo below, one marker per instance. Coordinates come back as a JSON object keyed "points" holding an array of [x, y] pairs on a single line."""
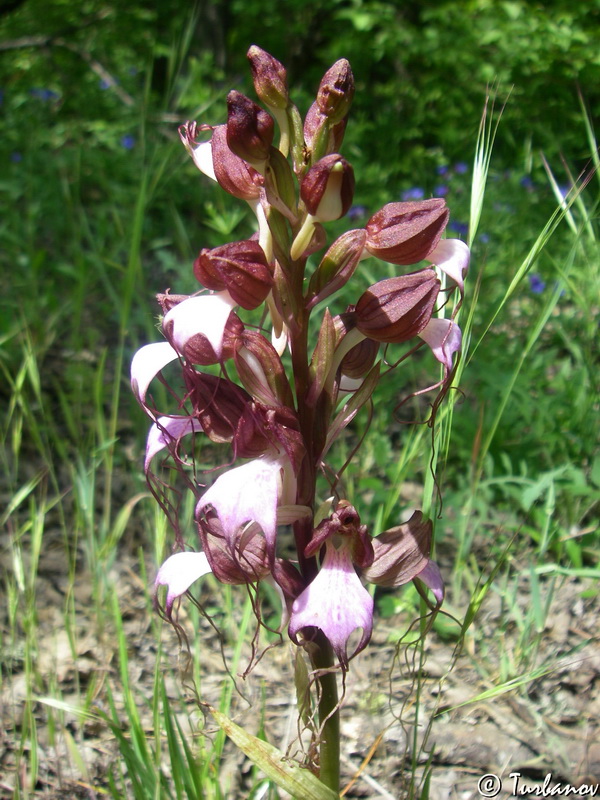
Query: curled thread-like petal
{"points": [[204, 316], [444, 338], [249, 493], [146, 364], [178, 573], [337, 603], [166, 430], [452, 256]]}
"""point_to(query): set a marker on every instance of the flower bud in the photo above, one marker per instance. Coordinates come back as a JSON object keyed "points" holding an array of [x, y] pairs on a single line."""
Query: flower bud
{"points": [[327, 188], [337, 266], [232, 172], [261, 370], [397, 309], [336, 91], [250, 128], [240, 267], [405, 233], [320, 136], [269, 77]]}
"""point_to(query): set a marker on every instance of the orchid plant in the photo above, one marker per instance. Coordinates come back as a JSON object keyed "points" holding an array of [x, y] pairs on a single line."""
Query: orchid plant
{"points": [[245, 373]]}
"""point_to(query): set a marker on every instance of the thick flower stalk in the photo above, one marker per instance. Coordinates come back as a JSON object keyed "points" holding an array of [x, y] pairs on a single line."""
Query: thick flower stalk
{"points": [[228, 380]]}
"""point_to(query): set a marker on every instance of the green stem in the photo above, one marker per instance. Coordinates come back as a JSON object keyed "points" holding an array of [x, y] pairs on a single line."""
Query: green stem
{"points": [[329, 711], [322, 656]]}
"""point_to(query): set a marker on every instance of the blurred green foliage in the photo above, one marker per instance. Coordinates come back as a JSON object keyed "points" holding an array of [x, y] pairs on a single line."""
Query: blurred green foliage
{"points": [[422, 68], [95, 178]]}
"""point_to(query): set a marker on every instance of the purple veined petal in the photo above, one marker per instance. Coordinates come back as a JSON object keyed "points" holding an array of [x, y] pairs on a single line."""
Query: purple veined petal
{"points": [[452, 256], [203, 159], [337, 603], [205, 314], [146, 364], [432, 578], [249, 493], [444, 338], [166, 430], [179, 572]]}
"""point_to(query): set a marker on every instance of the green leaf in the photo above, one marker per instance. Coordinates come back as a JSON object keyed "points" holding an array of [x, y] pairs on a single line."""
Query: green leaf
{"points": [[288, 775]]}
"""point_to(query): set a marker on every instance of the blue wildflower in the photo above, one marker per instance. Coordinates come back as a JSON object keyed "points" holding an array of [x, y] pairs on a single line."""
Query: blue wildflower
{"points": [[442, 169], [461, 167], [441, 190], [44, 94], [536, 284], [527, 183], [15, 157], [356, 212], [462, 228], [416, 193], [128, 142]]}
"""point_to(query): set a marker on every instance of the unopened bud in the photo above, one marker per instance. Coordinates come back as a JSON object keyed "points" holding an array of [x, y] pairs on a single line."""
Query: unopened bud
{"points": [[336, 91], [320, 136], [240, 267], [328, 188], [405, 233], [261, 371], [269, 77], [234, 174], [250, 128], [337, 266], [397, 309]]}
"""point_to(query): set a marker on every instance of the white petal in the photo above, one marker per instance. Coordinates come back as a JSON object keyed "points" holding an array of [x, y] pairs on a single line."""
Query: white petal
{"points": [[166, 430], [452, 257], [206, 315], [249, 493], [203, 159], [444, 338], [146, 364], [179, 572]]}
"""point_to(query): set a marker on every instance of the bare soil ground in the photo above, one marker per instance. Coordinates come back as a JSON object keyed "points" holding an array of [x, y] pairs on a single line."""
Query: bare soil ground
{"points": [[548, 725]]}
